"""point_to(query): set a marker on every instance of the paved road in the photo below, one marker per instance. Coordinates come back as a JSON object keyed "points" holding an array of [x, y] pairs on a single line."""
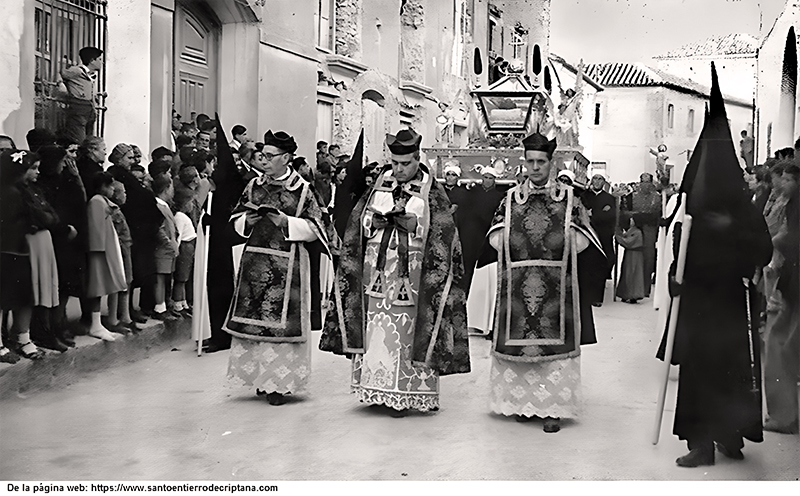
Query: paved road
{"points": [[173, 417]]}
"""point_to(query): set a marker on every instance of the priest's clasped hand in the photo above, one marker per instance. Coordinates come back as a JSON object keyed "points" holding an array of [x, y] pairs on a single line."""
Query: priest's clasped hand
{"points": [[280, 219]]}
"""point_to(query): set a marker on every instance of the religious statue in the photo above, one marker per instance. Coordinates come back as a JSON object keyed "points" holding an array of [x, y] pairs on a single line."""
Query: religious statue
{"points": [[663, 169]]}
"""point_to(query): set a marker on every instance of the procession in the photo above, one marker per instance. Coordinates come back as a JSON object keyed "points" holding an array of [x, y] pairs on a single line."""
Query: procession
{"points": [[423, 247]]}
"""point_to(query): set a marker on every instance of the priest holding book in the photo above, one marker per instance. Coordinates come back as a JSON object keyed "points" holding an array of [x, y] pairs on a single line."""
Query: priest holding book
{"points": [[270, 316]]}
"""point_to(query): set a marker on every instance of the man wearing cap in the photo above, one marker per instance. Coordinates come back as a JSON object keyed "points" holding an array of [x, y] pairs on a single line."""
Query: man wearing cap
{"points": [[539, 231], [79, 81], [270, 316], [603, 210], [399, 303]]}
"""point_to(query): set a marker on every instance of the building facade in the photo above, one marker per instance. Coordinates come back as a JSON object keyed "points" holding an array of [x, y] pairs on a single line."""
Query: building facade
{"points": [[776, 91], [642, 108], [318, 69]]}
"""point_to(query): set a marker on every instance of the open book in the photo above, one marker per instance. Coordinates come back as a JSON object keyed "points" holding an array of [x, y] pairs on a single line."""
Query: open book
{"points": [[261, 209]]}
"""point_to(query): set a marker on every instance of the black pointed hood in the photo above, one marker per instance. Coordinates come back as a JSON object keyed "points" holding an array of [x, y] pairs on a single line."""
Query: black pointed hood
{"points": [[713, 180], [229, 183], [354, 185]]}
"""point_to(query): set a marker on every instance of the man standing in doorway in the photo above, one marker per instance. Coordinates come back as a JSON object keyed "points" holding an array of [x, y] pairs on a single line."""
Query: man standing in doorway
{"points": [[79, 82]]}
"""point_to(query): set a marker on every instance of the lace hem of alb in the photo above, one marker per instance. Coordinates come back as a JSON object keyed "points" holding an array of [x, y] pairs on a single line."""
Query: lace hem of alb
{"points": [[528, 410], [397, 400]]}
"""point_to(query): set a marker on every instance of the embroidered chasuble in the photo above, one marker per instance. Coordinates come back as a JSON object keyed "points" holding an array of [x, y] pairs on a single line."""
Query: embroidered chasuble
{"points": [[270, 314], [399, 304], [538, 233]]}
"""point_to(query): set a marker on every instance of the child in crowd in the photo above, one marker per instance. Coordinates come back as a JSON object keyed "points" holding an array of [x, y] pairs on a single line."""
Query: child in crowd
{"points": [[167, 247], [184, 264], [119, 310], [106, 267]]}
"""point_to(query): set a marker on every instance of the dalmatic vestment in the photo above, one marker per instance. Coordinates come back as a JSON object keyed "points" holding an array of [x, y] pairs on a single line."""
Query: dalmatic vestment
{"points": [[270, 314], [540, 320], [399, 303]]}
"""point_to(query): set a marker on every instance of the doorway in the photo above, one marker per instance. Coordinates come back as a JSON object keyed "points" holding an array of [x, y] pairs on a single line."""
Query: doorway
{"points": [[197, 35]]}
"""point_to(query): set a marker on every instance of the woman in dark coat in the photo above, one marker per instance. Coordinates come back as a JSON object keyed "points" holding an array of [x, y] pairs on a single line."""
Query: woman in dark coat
{"points": [[631, 281], [63, 189], [16, 280], [144, 219]]}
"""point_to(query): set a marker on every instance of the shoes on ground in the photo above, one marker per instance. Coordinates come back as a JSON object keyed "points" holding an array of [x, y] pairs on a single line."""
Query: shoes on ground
{"points": [[213, 348], [597, 304], [167, 316], [551, 425], [276, 399], [51, 343], [30, 351], [696, 458], [8, 356], [138, 317], [733, 454]]}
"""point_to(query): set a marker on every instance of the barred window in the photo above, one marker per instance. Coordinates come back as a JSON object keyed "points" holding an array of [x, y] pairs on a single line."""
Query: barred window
{"points": [[62, 28]]}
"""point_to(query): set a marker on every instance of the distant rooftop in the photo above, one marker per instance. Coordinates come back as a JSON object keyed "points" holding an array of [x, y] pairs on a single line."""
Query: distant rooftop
{"points": [[621, 74], [732, 44]]}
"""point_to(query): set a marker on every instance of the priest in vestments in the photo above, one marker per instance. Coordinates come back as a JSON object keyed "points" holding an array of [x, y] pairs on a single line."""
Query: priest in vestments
{"points": [[270, 316], [398, 305], [541, 233]]}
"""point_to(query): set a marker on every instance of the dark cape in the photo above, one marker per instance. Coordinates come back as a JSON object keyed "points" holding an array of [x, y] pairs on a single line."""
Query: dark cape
{"points": [[144, 219], [229, 186], [352, 188], [440, 333], [475, 216], [719, 388], [66, 194]]}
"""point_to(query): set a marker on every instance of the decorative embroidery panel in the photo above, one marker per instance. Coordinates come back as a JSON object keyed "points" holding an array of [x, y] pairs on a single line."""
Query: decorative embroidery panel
{"points": [[271, 287], [385, 373], [272, 367], [546, 389], [535, 318]]}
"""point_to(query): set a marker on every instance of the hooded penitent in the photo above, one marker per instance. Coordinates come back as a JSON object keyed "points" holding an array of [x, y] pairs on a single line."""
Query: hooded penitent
{"points": [[719, 386]]}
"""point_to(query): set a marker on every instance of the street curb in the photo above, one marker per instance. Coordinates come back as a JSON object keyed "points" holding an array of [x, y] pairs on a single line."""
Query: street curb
{"points": [[58, 370]]}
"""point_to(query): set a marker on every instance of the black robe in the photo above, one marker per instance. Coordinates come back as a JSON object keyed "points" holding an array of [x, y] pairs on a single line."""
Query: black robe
{"points": [[474, 217], [603, 207], [719, 395], [144, 219], [66, 194]]}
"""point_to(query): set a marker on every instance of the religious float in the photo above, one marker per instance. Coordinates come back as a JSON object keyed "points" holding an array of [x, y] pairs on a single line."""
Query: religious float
{"points": [[500, 116]]}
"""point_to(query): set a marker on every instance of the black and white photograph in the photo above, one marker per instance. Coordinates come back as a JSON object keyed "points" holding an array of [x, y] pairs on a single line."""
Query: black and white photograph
{"points": [[255, 246]]}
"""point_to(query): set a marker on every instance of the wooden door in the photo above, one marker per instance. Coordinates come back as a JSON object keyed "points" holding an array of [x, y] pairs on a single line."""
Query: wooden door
{"points": [[196, 52]]}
